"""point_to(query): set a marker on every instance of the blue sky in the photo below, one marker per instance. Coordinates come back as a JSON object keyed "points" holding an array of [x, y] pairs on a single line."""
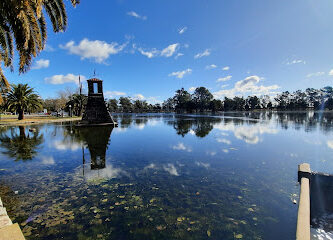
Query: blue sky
{"points": [[148, 49]]}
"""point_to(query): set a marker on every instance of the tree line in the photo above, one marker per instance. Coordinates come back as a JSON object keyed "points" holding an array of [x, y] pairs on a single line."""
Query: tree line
{"points": [[202, 100], [21, 98]]}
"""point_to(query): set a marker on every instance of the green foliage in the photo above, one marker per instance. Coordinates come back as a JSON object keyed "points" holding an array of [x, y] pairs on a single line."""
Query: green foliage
{"points": [[23, 24], [125, 103], [77, 102], [22, 98], [113, 105]]}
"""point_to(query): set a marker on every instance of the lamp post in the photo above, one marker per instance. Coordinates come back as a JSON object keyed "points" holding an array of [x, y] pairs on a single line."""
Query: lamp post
{"points": [[70, 110]]}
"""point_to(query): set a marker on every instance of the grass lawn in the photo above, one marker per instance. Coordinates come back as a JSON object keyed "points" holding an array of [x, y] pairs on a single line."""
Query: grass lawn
{"points": [[12, 119]]}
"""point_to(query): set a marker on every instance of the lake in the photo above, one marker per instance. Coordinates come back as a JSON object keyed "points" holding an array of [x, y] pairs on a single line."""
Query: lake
{"points": [[163, 176]]}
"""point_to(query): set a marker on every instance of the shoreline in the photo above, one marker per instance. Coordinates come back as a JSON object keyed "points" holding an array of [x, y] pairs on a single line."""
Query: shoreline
{"points": [[32, 121]]}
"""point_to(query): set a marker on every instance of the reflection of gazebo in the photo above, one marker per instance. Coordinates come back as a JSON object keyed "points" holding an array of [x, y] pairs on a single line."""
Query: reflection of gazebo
{"points": [[97, 139], [95, 112]]}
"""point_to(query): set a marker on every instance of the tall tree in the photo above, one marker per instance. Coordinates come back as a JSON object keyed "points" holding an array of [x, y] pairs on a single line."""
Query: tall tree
{"points": [[182, 99], [22, 98], [202, 97], [113, 105], [22, 22], [126, 104]]}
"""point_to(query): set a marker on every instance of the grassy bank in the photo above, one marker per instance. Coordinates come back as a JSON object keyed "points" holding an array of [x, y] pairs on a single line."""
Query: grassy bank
{"points": [[6, 121]]}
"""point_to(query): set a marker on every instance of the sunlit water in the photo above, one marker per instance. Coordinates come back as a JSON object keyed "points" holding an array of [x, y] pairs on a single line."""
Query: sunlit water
{"points": [[163, 176]]}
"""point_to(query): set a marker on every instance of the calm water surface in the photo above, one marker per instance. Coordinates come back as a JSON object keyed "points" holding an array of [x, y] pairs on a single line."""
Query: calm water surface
{"points": [[163, 176]]}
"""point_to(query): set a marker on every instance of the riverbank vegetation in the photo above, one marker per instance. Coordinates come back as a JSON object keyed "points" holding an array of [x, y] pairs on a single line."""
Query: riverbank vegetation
{"points": [[201, 100]]}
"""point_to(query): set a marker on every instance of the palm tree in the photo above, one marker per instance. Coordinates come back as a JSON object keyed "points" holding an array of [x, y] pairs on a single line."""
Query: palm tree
{"points": [[22, 98], [24, 22], [77, 101]]}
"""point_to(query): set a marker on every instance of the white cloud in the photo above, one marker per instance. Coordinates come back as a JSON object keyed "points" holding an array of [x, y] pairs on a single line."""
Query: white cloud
{"points": [[182, 147], [113, 94], [182, 30], [42, 63], [61, 79], [150, 54], [49, 48], [180, 74], [192, 89], [331, 72], [223, 140], [294, 61], [138, 97], [179, 55], [247, 86], [225, 150], [330, 143], [136, 15], [203, 54], [223, 79], [316, 74], [169, 50], [97, 50], [170, 168], [212, 66], [153, 100], [226, 68]]}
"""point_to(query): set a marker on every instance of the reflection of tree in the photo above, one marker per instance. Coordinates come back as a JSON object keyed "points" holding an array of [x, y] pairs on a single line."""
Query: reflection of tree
{"points": [[201, 125], [182, 126], [126, 121], [21, 146]]}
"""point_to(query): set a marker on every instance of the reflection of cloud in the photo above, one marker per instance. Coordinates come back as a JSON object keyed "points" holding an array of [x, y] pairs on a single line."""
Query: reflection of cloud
{"points": [[47, 160], [150, 166], [330, 143], [247, 133], [312, 141], [139, 126], [211, 153], [63, 145], [108, 172], [191, 132], [153, 122], [223, 140], [170, 168], [182, 147], [201, 164]]}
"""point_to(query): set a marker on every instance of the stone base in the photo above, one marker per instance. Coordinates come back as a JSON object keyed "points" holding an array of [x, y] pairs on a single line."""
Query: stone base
{"points": [[11, 232]]}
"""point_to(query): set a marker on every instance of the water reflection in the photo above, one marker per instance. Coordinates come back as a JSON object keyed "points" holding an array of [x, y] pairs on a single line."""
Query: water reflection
{"points": [[200, 126], [19, 145], [165, 176]]}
